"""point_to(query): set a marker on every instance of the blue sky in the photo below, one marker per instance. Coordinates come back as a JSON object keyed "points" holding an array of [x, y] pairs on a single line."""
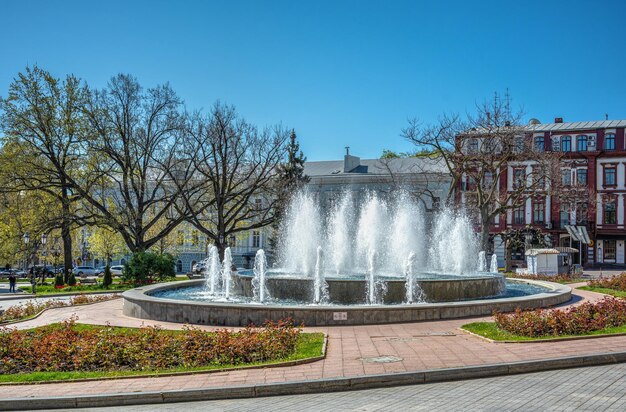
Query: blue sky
{"points": [[339, 72]]}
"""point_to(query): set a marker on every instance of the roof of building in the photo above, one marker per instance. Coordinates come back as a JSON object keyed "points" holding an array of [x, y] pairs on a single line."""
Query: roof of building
{"points": [[377, 166], [598, 124]]}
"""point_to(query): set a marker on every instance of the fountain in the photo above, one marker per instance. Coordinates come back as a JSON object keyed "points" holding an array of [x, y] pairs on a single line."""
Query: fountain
{"points": [[227, 272], [260, 268], [494, 264], [213, 271], [385, 260], [320, 285], [482, 261]]}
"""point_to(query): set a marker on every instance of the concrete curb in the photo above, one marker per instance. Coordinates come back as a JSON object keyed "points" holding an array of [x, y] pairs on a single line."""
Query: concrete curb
{"points": [[313, 386]]}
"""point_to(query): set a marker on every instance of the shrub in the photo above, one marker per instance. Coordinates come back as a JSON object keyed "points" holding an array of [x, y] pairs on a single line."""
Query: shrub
{"points": [[71, 280], [146, 267], [576, 320], [107, 279], [64, 347], [58, 280], [561, 277], [616, 282]]}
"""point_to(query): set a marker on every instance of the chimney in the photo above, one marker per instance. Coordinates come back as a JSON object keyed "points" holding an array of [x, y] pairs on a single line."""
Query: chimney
{"points": [[350, 162], [558, 120]]}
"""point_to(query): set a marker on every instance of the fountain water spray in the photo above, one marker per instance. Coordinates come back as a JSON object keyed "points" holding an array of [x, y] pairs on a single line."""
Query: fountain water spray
{"points": [[410, 278], [494, 264], [227, 272], [258, 283], [482, 261], [320, 286], [213, 271]]}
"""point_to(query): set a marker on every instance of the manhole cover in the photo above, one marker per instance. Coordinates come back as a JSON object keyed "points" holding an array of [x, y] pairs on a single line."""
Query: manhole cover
{"points": [[382, 359]]}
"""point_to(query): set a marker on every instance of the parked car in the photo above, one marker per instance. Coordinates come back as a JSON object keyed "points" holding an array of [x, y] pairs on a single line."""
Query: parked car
{"points": [[85, 270], [117, 270], [200, 266]]}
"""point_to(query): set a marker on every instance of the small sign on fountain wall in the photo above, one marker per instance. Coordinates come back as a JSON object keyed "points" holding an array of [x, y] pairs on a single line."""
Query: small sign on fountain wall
{"points": [[340, 315]]}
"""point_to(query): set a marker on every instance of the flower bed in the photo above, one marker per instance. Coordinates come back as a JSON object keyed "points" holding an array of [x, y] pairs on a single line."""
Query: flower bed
{"points": [[70, 347], [616, 282], [560, 278], [577, 320], [31, 308]]}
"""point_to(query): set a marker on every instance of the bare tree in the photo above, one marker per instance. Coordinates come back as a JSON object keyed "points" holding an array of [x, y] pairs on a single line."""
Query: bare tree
{"points": [[140, 170], [236, 164], [478, 151]]}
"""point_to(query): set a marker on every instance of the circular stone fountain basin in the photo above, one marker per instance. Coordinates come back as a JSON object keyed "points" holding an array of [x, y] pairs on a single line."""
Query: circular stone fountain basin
{"points": [[352, 290], [141, 303]]}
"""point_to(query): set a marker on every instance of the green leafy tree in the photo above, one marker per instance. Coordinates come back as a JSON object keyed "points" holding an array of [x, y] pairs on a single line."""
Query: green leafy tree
{"points": [[146, 267], [45, 137], [291, 178]]}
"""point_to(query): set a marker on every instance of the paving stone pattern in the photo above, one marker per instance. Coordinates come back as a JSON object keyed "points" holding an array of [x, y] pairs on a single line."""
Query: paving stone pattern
{"points": [[600, 388], [421, 346]]}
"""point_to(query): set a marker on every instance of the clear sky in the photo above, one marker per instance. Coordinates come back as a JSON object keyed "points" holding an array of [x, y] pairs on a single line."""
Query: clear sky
{"points": [[339, 72]]}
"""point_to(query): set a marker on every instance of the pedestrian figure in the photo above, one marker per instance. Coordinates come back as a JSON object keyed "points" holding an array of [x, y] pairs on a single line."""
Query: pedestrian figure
{"points": [[12, 282], [33, 282]]}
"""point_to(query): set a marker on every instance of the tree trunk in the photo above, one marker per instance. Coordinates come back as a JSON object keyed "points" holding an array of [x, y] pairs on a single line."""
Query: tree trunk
{"points": [[484, 232], [66, 234]]}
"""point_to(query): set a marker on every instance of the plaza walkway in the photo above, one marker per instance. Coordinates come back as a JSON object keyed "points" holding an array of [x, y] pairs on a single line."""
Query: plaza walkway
{"points": [[598, 388], [352, 351]]}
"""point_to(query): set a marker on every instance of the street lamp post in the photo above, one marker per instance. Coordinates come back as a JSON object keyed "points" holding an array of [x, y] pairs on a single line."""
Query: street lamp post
{"points": [[44, 252], [26, 239]]}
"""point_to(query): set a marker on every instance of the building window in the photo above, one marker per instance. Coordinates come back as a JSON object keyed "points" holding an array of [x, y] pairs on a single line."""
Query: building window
{"points": [[610, 215], [564, 214], [488, 179], [519, 178], [519, 144], [256, 238], [180, 238], [195, 239], [539, 144], [581, 213], [581, 177], [581, 143], [473, 146], [232, 241], [566, 143], [566, 177], [609, 250], [179, 266], [518, 215], [609, 141], [538, 212], [258, 204], [609, 176]]}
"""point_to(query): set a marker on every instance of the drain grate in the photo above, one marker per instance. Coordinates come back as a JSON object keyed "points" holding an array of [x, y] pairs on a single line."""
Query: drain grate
{"points": [[382, 359]]}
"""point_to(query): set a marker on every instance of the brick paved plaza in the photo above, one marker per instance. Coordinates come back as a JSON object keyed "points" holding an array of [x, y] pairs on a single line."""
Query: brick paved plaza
{"points": [[419, 346], [583, 389]]}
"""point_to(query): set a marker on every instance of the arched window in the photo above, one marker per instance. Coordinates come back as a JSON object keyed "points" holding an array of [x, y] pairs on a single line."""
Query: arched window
{"points": [[609, 141], [566, 143], [122, 261], [581, 143], [179, 266]]}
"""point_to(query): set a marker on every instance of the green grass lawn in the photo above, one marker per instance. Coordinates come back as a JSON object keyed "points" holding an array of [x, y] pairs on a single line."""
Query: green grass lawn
{"points": [[606, 291], [309, 345], [117, 286], [491, 331]]}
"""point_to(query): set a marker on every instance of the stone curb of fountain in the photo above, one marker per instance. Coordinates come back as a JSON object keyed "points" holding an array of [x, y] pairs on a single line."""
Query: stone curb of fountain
{"points": [[166, 374], [313, 386]]}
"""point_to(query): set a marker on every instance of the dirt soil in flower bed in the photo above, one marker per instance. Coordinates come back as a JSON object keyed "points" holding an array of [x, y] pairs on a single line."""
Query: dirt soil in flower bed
{"points": [[75, 351]]}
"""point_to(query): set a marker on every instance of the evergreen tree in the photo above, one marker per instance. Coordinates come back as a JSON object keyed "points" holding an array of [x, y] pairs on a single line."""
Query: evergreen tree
{"points": [[291, 178]]}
